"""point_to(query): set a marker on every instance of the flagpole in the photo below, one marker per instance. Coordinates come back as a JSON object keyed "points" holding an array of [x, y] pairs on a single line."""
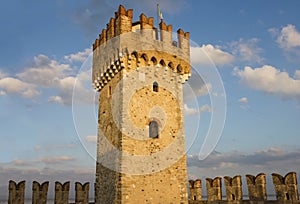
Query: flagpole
{"points": [[157, 13]]}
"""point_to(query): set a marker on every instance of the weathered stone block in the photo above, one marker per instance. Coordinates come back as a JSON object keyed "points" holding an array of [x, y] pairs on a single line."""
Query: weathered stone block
{"points": [[214, 189], [257, 187], [233, 188], [286, 187], [39, 192], [62, 193], [16, 192], [195, 189], [82, 193]]}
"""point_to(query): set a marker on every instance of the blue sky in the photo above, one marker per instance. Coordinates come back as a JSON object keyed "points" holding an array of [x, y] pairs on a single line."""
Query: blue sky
{"points": [[255, 47]]}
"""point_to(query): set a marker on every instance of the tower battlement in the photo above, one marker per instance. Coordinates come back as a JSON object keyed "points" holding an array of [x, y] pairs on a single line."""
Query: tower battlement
{"points": [[122, 23], [129, 45]]}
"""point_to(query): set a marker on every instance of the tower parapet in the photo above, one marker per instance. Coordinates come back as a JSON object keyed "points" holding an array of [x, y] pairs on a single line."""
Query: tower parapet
{"points": [[16, 192], [39, 192], [257, 187], [123, 40], [82, 193], [233, 188], [214, 189], [286, 187], [195, 189], [62, 192]]}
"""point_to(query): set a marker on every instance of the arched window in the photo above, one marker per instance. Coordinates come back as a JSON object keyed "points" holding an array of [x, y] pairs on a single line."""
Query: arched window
{"points": [[153, 61], [153, 129], [143, 60], [171, 65], [155, 87], [179, 68], [162, 63]]}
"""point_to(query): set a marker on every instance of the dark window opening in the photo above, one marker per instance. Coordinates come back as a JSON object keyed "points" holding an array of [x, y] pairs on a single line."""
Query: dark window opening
{"points": [[171, 65], [144, 57], [154, 61], [179, 68], [195, 197], [233, 197], [157, 36], [155, 87], [162, 63], [109, 91], [153, 129], [174, 43], [287, 196]]}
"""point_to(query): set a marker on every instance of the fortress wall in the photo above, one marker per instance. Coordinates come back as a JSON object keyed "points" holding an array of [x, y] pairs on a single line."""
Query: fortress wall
{"points": [[285, 187]]}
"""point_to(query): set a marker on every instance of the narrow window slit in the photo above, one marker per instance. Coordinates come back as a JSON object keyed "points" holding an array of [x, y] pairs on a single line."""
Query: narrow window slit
{"points": [[155, 87]]}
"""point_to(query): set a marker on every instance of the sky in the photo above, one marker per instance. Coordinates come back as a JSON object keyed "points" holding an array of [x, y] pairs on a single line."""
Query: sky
{"points": [[247, 52]]}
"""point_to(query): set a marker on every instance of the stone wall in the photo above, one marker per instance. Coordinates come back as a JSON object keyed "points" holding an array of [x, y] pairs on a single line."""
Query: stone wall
{"points": [[40, 192], [285, 188], [122, 38], [128, 58]]}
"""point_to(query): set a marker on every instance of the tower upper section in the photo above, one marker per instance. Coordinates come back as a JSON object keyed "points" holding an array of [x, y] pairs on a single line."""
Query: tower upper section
{"points": [[128, 45]]}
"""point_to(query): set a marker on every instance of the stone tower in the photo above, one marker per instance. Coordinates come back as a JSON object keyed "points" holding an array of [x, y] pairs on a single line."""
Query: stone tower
{"points": [[138, 71]]}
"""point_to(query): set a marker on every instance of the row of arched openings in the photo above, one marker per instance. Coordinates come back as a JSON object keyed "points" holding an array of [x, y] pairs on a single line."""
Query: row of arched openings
{"points": [[153, 61]]}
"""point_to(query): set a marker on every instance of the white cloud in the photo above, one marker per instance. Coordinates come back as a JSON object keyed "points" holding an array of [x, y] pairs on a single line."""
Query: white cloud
{"points": [[288, 37], [243, 100], [189, 111], [2, 93], [51, 76], [44, 72], [57, 159], [54, 147], [30, 93], [205, 108], [20, 162], [265, 161], [272, 151], [77, 86], [193, 111], [297, 74], [270, 80], [91, 138], [79, 57], [207, 54], [247, 50], [15, 86], [203, 90], [56, 99]]}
